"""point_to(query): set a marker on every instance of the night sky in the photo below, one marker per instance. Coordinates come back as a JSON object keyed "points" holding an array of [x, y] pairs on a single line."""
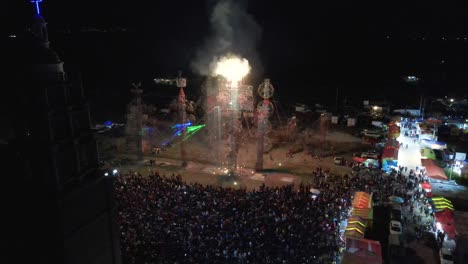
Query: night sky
{"points": [[364, 49]]}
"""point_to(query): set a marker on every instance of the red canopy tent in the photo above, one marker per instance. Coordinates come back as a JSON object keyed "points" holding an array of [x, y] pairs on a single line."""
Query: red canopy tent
{"points": [[390, 152], [393, 131], [362, 251], [445, 218], [432, 170], [359, 159], [449, 229], [362, 200], [426, 186]]}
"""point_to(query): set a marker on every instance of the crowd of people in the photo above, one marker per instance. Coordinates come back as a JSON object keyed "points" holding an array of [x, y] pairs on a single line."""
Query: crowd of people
{"points": [[164, 220]]}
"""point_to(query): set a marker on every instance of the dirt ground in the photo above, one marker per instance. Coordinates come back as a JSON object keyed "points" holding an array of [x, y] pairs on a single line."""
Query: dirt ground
{"points": [[203, 166]]}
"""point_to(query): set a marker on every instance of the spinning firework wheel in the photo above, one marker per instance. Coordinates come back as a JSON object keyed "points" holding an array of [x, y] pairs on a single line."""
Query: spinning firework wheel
{"points": [[265, 89], [265, 108]]}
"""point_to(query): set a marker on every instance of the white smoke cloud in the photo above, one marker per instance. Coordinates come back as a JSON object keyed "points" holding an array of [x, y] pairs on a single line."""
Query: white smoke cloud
{"points": [[233, 31]]}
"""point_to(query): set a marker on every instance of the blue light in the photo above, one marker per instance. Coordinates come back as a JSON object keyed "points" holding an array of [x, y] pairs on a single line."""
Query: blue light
{"points": [[108, 123], [36, 2], [182, 125]]}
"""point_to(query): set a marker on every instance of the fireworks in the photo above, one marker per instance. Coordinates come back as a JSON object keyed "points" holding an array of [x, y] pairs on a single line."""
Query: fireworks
{"points": [[233, 69]]}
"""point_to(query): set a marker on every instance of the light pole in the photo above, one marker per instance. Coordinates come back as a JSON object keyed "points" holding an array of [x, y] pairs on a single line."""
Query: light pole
{"points": [[452, 163]]}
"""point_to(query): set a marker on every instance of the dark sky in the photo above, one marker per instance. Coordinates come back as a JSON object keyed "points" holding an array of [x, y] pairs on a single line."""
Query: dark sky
{"points": [[307, 45]]}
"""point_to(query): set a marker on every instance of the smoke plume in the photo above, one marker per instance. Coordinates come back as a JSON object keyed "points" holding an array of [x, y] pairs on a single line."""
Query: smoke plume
{"points": [[233, 31]]}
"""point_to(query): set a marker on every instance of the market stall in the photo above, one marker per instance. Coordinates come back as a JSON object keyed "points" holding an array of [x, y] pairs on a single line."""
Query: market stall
{"points": [[389, 157], [432, 170], [362, 207]]}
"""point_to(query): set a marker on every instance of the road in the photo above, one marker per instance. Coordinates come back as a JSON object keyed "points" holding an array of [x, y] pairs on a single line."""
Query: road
{"points": [[409, 154], [419, 250]]}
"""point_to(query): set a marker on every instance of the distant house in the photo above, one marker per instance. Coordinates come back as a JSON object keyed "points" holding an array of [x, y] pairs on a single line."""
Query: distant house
{"points": [[411, 112]]}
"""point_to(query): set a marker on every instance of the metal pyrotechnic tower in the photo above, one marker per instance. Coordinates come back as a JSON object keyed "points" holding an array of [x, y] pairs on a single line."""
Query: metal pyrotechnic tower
{"points": [[264, 111], [134, 122], [181, 83]]}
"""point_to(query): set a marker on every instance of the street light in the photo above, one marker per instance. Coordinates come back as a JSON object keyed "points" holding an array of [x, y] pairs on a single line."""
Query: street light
{"points": [[451, 100]]}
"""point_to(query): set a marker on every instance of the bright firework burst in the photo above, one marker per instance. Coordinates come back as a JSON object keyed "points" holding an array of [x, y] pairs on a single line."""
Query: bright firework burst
{"points": [[233, 69]]}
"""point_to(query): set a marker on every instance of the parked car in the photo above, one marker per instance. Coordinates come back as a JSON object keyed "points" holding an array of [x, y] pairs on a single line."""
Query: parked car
{"points": [[395, 227], [372, 134], [338, 160], [369, 155], [446, 256]]}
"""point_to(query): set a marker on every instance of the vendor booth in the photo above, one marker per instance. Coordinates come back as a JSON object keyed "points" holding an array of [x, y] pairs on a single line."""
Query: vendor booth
{"points": [[389, 157], [360, 251], [426, 187], [432, 170], [446, 223], [362, 207], [433, 144], [393, 131], [356, 227]]}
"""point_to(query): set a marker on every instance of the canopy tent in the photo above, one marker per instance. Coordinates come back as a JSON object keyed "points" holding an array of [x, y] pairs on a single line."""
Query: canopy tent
{"points": [[396, 199], [390, 152], [432, 170], [392, 143], [446, 222], [389, 157], [426, 186], [366, 213], [362, 251], [444, 216], [433, 144], [355, 229], [362, 206], [362, 200], [359, 159], [441, 203], [428, 153], [354, 218], [393, 131], [449, 229]]}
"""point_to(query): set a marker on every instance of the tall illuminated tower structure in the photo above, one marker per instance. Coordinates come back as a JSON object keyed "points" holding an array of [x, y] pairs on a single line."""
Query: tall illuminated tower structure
{"points": [[63, 210], [264, 110]]}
